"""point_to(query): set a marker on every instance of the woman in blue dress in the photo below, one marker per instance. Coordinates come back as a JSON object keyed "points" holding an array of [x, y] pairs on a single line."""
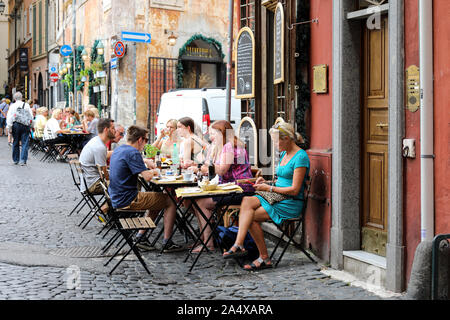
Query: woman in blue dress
{"points": [[292, 172]]}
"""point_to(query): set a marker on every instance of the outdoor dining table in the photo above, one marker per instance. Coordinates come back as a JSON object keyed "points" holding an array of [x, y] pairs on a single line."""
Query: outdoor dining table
{"points": [[74, 139], [218, 212], [168, 185]]}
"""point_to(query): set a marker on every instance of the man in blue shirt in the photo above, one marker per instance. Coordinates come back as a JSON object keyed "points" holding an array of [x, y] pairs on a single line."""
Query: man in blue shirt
{"points": [[125, 166]]}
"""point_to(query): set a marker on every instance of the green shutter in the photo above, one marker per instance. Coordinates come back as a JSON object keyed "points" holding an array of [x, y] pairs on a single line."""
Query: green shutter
{"points": [[34, 30], [40, 27]]}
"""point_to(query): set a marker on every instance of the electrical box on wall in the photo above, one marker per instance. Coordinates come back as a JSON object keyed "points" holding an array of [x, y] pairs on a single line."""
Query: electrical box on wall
{"points": [[409, 148]]}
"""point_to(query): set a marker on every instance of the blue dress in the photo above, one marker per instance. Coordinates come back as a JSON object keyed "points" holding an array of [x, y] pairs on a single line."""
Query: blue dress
{"points": [[290, 208]]}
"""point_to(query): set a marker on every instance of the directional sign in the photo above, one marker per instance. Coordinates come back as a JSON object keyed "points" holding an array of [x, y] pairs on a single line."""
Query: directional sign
{"points": [[114, 63], [119, 49], [54, 77], [52, 68], [66, 50], [136, 37]]}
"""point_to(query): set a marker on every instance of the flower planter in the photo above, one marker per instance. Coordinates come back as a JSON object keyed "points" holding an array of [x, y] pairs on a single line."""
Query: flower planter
{"points": [[96, 89], [83, 79]]}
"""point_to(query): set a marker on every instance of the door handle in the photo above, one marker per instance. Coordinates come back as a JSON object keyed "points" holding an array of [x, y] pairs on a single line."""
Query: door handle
{"points": [[382, 125]]}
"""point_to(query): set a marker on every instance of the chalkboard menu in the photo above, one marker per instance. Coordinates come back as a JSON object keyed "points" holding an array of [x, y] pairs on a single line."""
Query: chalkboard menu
{"points": [[279, 45], [245, 64]]}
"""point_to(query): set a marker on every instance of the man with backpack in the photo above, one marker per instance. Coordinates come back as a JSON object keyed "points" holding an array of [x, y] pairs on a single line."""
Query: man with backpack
{"points": [[18, 122]]}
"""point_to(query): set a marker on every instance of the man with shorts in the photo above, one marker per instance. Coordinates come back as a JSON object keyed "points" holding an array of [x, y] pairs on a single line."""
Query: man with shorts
{"points": [[126, 165], [94, 153]]}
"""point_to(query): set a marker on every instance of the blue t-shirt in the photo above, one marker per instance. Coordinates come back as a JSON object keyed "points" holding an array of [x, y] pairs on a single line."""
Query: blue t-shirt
{"points": [[4, 107], [125, 166]]}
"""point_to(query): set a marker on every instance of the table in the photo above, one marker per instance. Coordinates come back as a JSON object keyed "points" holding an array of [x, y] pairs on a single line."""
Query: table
{"points": [[74, 139], [194, 196], [181, 216]]}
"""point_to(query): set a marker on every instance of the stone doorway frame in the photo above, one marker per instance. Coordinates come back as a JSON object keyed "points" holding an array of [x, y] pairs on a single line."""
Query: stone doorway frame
{"points": [[346, 192]]}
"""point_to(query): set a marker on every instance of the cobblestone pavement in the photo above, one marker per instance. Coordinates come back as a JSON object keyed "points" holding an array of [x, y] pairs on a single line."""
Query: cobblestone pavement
{"points": [[35, 228]]}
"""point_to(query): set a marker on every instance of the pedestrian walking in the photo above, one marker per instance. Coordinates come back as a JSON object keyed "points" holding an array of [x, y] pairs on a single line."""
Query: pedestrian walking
{"points": [[4, 105], [18, 122]]}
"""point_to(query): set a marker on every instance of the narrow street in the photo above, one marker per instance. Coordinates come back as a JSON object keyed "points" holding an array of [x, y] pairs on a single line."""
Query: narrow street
{"points": [[41, 246]]}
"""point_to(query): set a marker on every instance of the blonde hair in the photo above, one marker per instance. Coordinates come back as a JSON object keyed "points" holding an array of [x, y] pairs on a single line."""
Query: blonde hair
{"points": [[95, 111], [173, 121], [41, 110], [56, 113], [285, 129], [89, 113]]}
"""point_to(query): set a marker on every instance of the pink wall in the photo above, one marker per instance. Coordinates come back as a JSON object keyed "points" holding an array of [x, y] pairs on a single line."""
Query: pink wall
{"points": [[412, 131], [442, 115], [318, 215], [441, 128]]}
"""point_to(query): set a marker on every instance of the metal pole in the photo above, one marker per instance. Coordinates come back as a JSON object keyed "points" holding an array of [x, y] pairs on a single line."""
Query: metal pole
{"points": [[134, 82], [74, 39], [230, 60]]}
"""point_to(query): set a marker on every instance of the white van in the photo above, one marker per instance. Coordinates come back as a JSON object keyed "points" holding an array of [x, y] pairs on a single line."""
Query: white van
{"points": [[204, 106]]}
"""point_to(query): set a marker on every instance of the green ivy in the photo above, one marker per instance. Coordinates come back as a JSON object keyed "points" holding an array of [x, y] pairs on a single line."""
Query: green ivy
{"points": [[182, 51], [303, 94]]}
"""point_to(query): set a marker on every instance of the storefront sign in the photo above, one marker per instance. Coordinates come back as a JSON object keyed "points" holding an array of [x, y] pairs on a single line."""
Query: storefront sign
{"points": [[23, 59], [245, 64], [278, 72]]}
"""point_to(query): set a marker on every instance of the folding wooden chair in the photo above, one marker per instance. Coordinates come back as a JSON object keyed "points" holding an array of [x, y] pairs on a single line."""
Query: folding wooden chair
{"points": [[73, 158], [127, 222], [94, 203], [290, 227]]}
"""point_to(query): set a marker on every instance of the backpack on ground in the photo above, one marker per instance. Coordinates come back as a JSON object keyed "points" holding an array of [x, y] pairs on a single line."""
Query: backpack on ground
{"points": [[227, 237], [23, 116]]}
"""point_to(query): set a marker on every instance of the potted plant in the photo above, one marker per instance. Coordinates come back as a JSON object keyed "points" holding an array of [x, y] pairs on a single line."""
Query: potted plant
{"points": [[84, 74]]}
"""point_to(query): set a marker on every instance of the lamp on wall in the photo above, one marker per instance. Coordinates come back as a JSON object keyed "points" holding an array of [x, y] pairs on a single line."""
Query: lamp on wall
{"points": [[100, 48], [68, 63], [171, 39], [84, 55]]}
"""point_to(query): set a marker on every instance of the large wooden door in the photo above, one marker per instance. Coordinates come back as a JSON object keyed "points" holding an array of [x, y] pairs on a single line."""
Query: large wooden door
{"points": [[375, 139]]}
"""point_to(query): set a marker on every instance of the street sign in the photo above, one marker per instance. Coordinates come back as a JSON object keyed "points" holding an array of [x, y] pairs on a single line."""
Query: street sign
{"points": [[136, 37], [54, 77], [52, 68], [119, 49], [114, 63], [66, 50]]}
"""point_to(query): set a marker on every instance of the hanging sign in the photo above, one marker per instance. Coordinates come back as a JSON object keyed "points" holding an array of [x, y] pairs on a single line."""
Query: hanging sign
{"points": [[23, 59], [245, 64], [278, 70]]}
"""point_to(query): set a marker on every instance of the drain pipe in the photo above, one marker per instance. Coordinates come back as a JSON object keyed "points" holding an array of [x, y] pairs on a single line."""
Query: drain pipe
{"points": [[426, 120]]}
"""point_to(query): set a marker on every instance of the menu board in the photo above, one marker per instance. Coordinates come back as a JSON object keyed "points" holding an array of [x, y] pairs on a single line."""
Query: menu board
{"points": [[245, 64], [278, 72]]}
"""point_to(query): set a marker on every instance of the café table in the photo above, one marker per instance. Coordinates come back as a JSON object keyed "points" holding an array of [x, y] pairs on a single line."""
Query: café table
{"points": [[219, 210], [168, 185], [74, 139]]}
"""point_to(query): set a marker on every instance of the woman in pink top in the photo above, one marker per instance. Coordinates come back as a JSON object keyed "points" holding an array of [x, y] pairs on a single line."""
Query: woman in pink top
{"points": [[231, 163]]}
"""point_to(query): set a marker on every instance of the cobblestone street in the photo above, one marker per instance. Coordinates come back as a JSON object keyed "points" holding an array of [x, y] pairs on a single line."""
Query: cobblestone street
{"points": [[38, 240]]}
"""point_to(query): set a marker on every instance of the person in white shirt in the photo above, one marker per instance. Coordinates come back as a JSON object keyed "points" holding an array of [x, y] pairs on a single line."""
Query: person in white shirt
{"points": [[20, 131], [53, 132]]}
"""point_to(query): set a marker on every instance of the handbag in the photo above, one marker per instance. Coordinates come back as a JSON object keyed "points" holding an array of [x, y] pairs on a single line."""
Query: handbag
{"points": [[22, 116], [272, 197]]}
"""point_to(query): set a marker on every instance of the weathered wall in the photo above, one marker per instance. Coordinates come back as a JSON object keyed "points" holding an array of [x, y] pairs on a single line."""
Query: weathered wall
{"points": [[318, 216], [441, 128]]}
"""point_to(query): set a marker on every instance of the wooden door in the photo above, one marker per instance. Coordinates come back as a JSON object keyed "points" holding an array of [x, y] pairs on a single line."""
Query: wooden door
{"points": [[375, 130]]}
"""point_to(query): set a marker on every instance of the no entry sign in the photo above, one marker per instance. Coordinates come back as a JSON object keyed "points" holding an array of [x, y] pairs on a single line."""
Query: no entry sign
{"points": [[54, 77]]}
